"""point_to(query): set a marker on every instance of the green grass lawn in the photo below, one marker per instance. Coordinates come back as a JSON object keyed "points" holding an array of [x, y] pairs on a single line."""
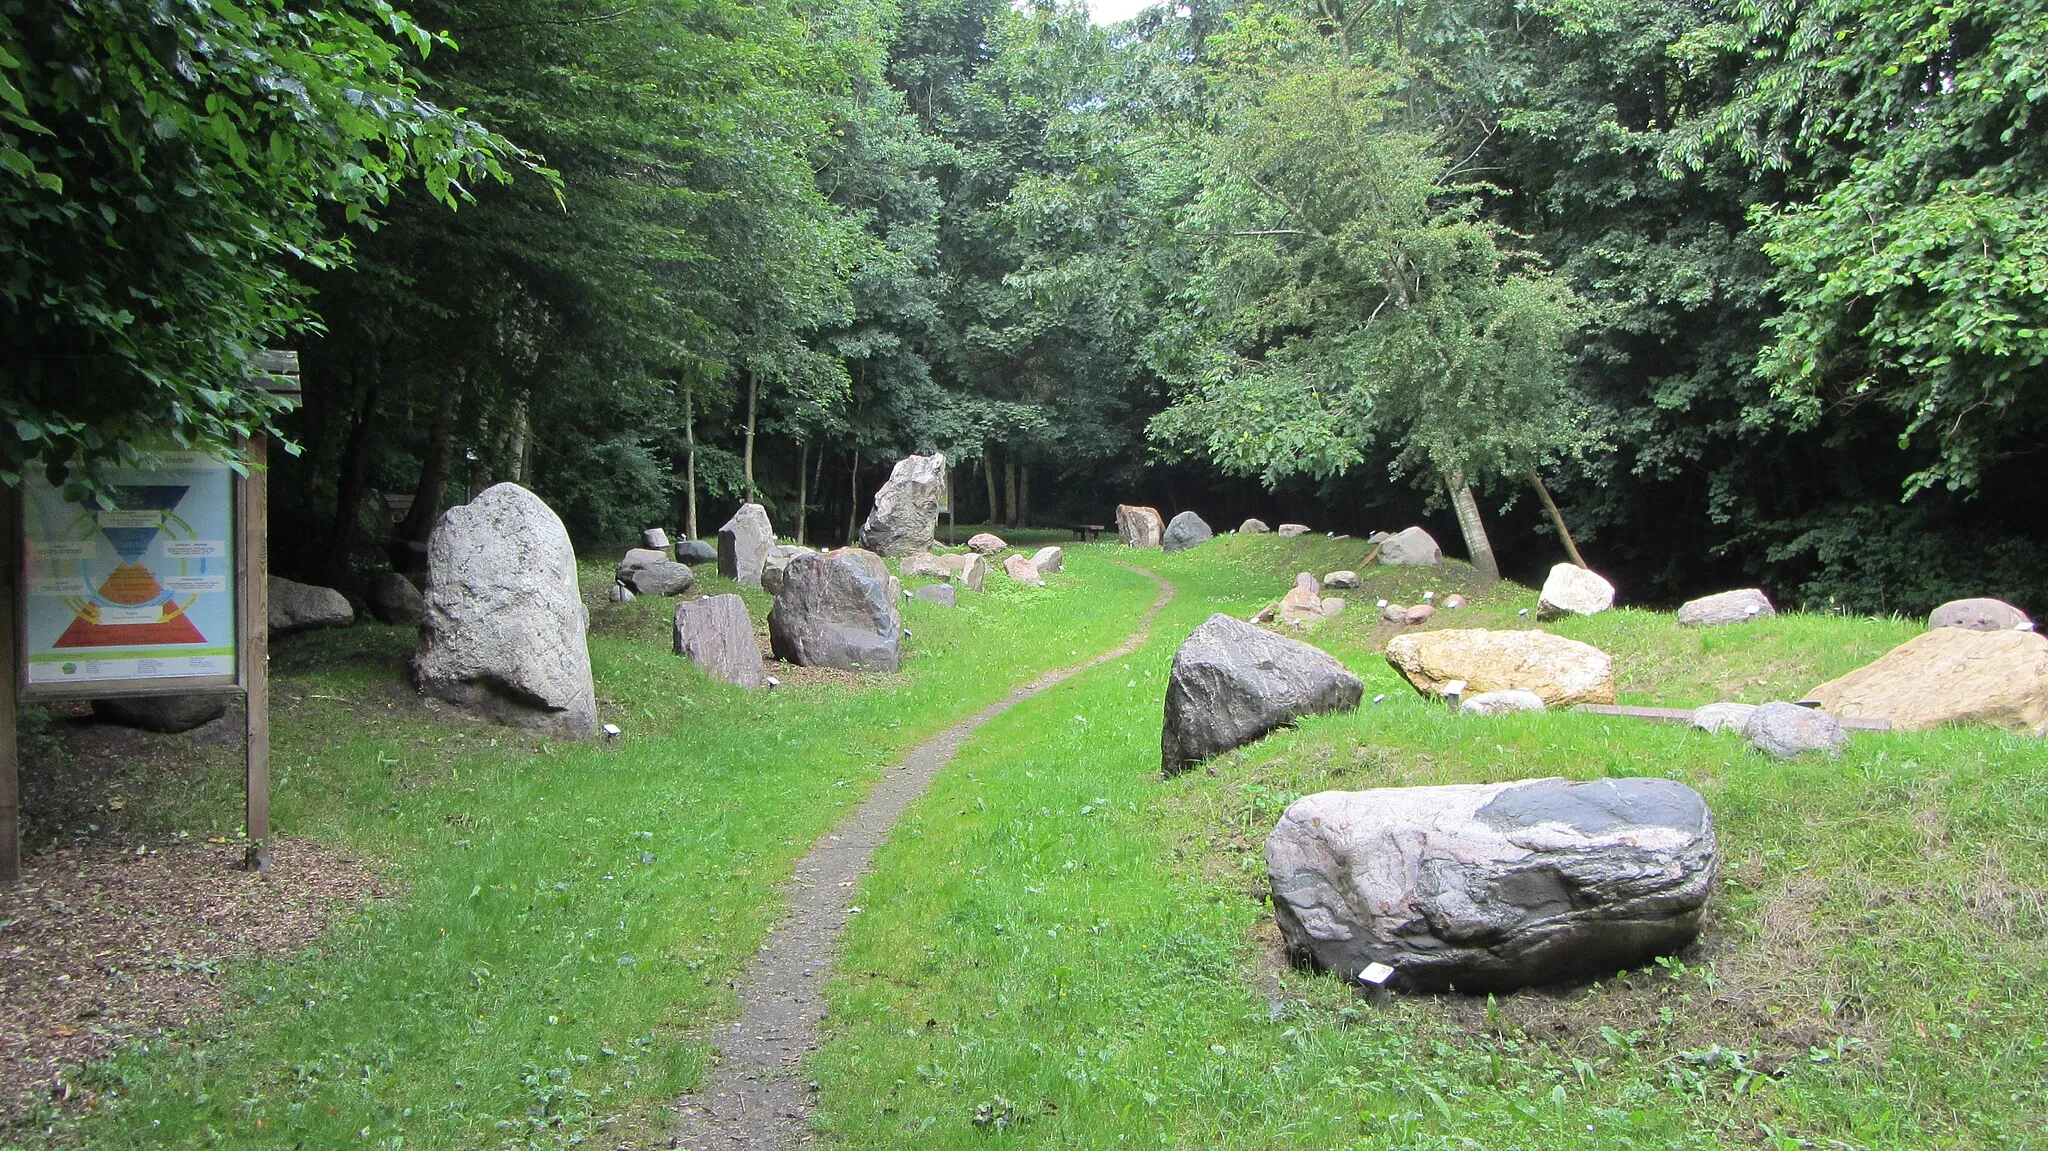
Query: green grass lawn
{"points": [[1059, 949]]}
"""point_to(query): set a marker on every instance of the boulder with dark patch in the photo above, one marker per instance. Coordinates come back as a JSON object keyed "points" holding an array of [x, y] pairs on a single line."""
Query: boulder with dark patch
{"points": [[165, 713], [837, 610], [1726, 607], [661, 577], [1252, 527], [1492, 887], [504, 633], [392, 598], [1186, 531], [906, 515], [695, 552], [1411, 547], [1289, 531], [1979, 615], [1232, 683], [1139, 527], [715, 633], [656, 538], [1342, 579], [296, 607], [1787, 730], [985, 543], [744, 543]]}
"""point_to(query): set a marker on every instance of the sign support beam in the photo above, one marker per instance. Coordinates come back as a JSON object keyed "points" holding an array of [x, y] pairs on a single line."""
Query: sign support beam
{"points": [[255, 634]]}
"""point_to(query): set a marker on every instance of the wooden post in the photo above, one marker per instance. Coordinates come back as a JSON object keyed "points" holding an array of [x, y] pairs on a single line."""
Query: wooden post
{"points": [[10, 763], [254, 513]]}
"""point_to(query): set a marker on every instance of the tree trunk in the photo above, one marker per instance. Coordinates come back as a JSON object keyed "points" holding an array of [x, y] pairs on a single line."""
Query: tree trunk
{"points": [[1556, 518], [1476, 544], [689, 466], [803, 488], [426, 501], [348, 494], [517, 437], [753, 398], [853, 498], [995, 504], [1024, 494], [1010, 492]]}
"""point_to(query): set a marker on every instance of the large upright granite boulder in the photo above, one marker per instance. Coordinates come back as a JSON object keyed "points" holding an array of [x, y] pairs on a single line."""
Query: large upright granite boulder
{"points": [[1410, 547], [169, 714], [1573, 590], [906, 515], [1491, 887], [1725, 608], [392, 598], [837, 610], [1950, 675], [1979, 615], [1563, 671], [1232, 683], [715, 633], [744, 543], [1186, 530], [1139, 527], [504, 633], [296, 607]]}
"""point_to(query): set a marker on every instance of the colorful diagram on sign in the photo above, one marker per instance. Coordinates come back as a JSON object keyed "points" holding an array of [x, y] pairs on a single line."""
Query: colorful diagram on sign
{"points": [[140, 590]]}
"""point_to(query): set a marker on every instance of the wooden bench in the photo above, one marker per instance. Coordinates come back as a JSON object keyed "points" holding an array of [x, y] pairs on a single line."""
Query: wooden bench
{"points": [[1086, 533]]}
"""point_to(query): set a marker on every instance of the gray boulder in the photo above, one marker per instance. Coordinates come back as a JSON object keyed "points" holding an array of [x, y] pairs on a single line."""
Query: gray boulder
{"points": [[663, 577], [1722, 716], [504, 633], [1725, 608], [943, 594], [1501, 702], [1252, 527], [165, 713], [924, 564], [777, 564], [392, 599], [971, 570], [1979, 615], [695, 552], [1232, 683], [1410, 547], [743, 544], [1186, 530], [1049, 559], [715, 633], [1786, 730], [1289, 531], [296, 607], [641, 557], [656, 538], [837, 610], [906, 514], [985, 543], [620, 593], [1492, 887], [1343, 580]]}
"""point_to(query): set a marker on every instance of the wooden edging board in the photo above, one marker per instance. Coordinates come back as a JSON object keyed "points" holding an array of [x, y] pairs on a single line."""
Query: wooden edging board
{"points": [[1684, 715]]}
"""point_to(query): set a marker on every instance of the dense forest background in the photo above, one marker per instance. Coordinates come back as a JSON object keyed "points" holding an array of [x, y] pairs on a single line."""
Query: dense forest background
{"points": [[1758, 292]]}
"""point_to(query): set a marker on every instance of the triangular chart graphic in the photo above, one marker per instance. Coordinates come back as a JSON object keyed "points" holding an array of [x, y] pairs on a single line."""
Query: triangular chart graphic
{"points": [[131, 584]]}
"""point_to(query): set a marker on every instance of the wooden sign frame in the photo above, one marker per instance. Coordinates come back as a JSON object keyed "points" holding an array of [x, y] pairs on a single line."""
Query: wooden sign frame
{"points": [[251, 677]]}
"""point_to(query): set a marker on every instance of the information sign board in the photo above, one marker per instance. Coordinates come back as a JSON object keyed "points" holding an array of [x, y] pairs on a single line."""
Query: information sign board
{"points": [[143, 591]]}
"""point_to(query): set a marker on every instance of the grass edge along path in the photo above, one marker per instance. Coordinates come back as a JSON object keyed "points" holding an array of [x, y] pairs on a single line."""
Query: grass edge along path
{"points": [[752, 1097]]}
